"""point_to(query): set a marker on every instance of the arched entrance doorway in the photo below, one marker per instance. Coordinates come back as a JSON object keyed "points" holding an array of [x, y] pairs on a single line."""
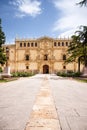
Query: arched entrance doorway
{"points": [[45, 69]]}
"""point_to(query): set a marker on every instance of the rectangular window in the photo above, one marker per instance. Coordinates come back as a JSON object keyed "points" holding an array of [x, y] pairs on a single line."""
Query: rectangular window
{"points": [[64, 67], [64, 57], [45, 57], [27, 57]]}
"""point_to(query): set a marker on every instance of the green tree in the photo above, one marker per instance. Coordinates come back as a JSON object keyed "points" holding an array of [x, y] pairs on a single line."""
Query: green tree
{"points": [[77, 50], [2, 41]]}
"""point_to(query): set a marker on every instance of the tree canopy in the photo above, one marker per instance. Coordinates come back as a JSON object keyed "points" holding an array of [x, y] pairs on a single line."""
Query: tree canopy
{"points": [[83, 3], [2, 41], [78, 47]]}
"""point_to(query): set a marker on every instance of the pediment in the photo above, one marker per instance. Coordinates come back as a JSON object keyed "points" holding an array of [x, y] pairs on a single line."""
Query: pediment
{"points": [[45, 38]]}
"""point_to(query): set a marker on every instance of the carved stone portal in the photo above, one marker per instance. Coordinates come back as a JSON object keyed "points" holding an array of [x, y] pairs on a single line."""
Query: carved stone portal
{"points": [[45, 69]]}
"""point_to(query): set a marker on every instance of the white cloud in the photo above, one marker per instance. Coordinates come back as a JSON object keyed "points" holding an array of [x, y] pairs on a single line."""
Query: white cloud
{"points": [[27, 7], [72, 16]]}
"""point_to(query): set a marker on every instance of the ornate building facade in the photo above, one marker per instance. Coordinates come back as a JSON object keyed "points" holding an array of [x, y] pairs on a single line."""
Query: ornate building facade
{"points": [[41, 55]]}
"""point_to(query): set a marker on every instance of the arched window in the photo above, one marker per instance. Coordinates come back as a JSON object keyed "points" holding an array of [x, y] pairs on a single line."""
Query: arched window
{"points": [[58, 43], [20, 44], [32, 44], [66, 43], [64, 57], [27, 57], [24, 44], [35, 44], [45, 57], [55, 44], [28, 44], [62, 43]]}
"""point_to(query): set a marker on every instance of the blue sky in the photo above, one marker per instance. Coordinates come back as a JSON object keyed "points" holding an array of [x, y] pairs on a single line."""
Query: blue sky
{"points": [[37, 18]]}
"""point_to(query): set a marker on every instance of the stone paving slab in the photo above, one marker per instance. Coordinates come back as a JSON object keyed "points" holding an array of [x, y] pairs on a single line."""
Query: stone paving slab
{"points": [[71, 102], [77, 123], [16, 102], [40, 122], [44, 115], [17, 98], [48, 111], [39, 128]]}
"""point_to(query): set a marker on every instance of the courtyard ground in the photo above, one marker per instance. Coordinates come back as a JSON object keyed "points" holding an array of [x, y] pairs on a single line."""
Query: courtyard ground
{"points": [[43, 102]]}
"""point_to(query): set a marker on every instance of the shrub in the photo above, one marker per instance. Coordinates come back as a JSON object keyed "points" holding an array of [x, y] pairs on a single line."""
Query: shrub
{"points": [[21, 74], [77, 74], [63, 74], [69, 74], [0, 69]]}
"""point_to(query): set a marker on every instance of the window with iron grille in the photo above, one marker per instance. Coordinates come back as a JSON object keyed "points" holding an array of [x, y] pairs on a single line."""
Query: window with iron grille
{"points": [[27, 57], [64, 57]]}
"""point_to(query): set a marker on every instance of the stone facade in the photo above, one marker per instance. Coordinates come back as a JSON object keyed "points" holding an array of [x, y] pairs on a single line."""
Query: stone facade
{"points": [[42, 55]]}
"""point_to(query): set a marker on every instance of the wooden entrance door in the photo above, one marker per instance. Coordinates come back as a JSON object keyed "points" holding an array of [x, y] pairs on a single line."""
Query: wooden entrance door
{"points": [[45, 69]]}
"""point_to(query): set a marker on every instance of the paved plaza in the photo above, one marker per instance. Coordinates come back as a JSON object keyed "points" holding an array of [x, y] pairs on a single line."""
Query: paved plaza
{"points": [[43, 102]]}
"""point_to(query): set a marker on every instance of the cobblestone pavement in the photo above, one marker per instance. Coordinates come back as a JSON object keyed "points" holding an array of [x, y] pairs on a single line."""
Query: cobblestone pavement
{"points": [[19, 100]]}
